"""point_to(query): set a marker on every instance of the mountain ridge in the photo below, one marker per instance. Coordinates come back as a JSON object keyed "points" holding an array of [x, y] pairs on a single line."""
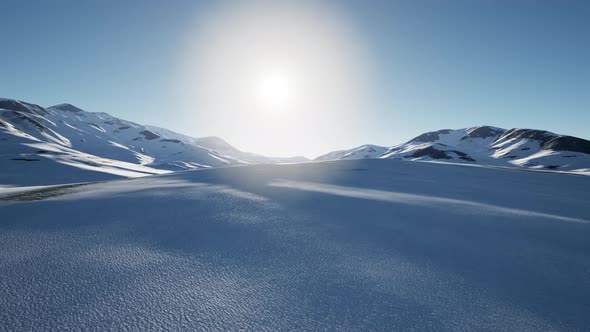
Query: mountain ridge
{"points": [[96, 145], [63, 144], [487, 145]]}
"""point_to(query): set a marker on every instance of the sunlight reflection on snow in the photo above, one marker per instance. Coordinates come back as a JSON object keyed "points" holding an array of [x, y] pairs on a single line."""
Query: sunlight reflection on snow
{"points": [[413, 199]]}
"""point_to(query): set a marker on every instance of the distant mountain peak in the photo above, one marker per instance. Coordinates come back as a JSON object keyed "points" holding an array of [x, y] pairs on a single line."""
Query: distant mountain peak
{"points": [[64, 141], [21, 106], [484, 132], [66, 107], [488, 145]]}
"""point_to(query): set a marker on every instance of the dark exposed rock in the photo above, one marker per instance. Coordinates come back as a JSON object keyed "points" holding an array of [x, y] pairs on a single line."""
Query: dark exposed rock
{"points": [[149, 135], [123, 128], [18, 117], [391, 150], [434, 153], [26, 159], [550, 141], [91, 163], [97, 126], [463, 155], [484, 132], [566, 143], [431, 152], [171, 140], [532, 134], [21, 106], [118, 122], [43, 193], [430, 136], [67, 108]]}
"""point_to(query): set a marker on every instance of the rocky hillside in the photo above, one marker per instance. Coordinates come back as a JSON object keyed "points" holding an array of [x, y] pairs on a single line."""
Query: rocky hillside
{"points": [[64, 143], [486, 145]]}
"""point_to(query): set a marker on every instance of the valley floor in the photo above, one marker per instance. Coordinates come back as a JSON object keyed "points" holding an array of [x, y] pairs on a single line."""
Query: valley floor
{"points": [[347, 245]]}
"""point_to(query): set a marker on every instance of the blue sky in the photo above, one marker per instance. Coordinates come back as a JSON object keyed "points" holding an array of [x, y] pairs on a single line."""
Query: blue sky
{"points": [[434, 65]]}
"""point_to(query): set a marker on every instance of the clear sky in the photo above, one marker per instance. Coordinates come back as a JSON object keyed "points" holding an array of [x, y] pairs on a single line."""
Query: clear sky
{"points": [[304, 78]]}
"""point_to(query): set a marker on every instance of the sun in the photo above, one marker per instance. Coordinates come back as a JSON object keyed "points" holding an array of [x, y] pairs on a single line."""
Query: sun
{"points": [[274, 91]]}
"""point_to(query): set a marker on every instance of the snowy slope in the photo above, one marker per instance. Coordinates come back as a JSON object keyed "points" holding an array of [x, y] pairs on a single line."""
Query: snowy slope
{"points": [[104, 135], [216, 144], [49, 159], [471, 145], [219, 145], [363, 151], [351, 245], [84, 138], [486, 145]]}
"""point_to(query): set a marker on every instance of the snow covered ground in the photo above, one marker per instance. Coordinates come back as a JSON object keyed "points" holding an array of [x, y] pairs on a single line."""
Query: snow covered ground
{"points": [[350, 245]]}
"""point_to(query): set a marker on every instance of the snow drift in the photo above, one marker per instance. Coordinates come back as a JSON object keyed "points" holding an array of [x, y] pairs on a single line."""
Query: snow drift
{"points": [[350, 245]]}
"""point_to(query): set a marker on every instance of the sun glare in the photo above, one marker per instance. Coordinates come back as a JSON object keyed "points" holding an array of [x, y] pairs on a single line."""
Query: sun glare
{"points": [[273, 91], [259, 69]]}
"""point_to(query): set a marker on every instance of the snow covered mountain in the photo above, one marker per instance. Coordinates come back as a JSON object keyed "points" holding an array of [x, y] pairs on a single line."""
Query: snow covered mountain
{"points": [[486, 145], [64, 143], [363, 151], [220, 146], [364, 243], [349, 245]]}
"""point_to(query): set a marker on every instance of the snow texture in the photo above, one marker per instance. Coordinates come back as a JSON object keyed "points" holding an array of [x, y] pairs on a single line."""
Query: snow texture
{"points": [[350, 245]]}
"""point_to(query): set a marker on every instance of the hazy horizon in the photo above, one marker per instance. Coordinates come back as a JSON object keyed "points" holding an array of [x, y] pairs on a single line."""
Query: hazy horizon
{"points": [[306, 77]]}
